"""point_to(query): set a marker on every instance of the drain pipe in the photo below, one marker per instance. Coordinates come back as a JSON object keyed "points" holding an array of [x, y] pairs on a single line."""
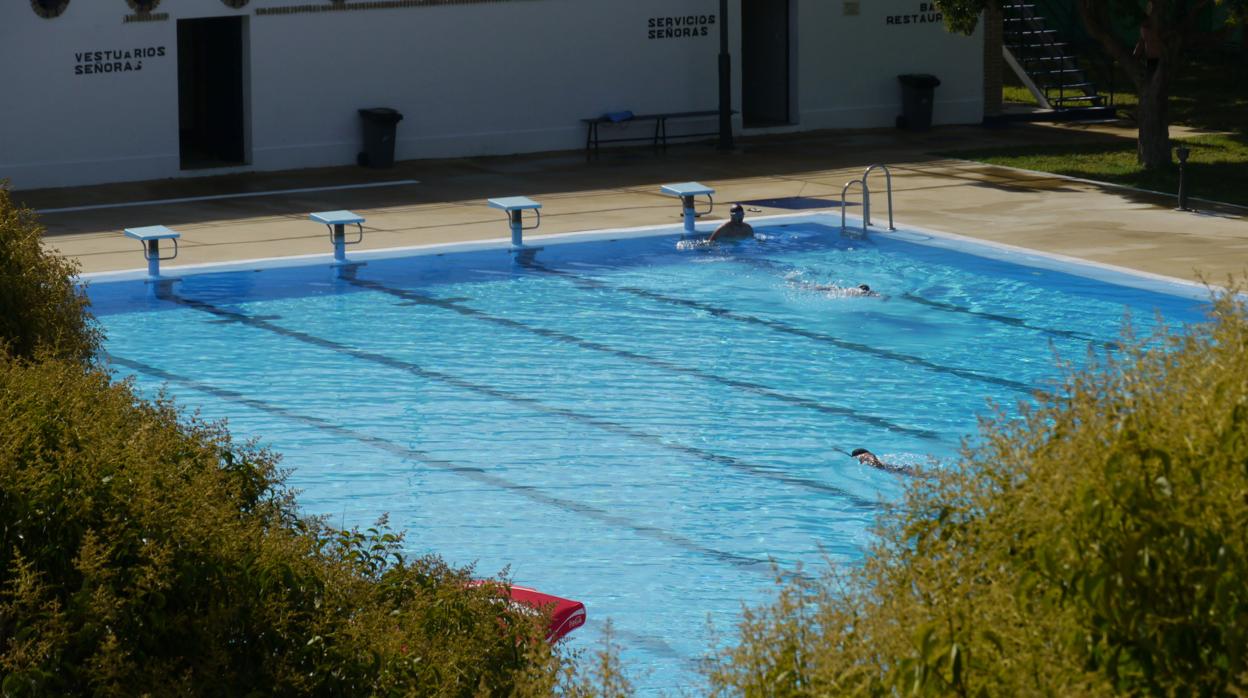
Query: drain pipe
{"points": [[725, 81]]}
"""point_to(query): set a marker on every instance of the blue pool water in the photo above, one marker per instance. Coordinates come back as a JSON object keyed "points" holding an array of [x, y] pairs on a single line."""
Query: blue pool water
{"points": [[636, 426]]}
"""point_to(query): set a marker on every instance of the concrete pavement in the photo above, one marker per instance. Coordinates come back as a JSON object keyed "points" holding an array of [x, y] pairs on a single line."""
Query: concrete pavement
{"points": [[620, 188]]}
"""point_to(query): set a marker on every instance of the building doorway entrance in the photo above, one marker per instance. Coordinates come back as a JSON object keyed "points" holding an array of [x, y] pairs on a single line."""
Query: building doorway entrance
{"points": [[765, 69], [211, 97]]}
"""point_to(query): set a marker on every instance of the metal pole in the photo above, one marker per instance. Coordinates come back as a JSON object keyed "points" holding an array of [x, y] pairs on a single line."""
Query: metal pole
{"points": [[690, 214], [517, 228], [153, 258], [725, 81], [866, 206], [1183, 152], [340, 242]]}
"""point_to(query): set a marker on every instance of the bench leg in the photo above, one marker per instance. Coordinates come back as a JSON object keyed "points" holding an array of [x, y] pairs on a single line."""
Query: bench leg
{"points": [[592, 140]]}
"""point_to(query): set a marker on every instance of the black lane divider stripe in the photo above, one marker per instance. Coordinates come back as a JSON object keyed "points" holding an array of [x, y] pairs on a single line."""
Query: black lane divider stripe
{"points": [[652, 643], [656, 645], [856, 501], [749, 386], [473, 473], [772, 265], [1008, 320], [717, 311]]}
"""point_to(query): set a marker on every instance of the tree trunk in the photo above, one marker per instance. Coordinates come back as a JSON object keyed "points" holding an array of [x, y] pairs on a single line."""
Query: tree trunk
{"points": [[1153, 147]]}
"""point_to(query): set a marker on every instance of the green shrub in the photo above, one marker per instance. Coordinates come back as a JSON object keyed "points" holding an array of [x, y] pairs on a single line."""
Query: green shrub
{"points": [[599, 676], [1096, 546], [41, 307], [145, 554]]}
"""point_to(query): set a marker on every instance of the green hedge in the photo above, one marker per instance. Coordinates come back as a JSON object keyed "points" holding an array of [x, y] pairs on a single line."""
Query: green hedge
{"points": [[41, 308], [1096, 546], [146, 553]]}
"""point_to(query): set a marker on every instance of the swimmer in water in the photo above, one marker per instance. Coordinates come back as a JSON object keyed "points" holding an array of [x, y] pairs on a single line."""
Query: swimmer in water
{"points": [[868, 458], [859, 291], [735, 229]]}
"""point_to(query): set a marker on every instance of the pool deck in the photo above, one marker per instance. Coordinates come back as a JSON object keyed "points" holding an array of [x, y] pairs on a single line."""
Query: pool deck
{"points": [[620, 188]]}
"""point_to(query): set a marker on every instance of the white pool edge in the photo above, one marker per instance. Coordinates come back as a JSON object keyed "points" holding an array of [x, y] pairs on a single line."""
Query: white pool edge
{"points": [[1099, 271], [1052, 261]]}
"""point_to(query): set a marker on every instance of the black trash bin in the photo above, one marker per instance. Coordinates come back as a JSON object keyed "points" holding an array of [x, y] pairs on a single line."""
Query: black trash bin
{"points": [[916, 101], [379, 127]]}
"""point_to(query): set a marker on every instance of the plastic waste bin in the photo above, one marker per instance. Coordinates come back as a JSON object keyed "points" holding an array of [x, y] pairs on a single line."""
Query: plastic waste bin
{"points": [[379, 127], [916, 101]]}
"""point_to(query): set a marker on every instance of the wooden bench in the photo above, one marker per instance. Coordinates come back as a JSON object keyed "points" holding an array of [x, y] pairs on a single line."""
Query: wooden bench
{"points": [[660, 135]]}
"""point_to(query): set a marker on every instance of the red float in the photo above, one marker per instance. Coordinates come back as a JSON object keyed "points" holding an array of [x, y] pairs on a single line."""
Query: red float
{"points": [[566, 615]]}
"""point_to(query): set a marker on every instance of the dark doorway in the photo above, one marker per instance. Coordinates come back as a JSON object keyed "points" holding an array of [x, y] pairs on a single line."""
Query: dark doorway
{"points": [[765, 62], [211, 104]]}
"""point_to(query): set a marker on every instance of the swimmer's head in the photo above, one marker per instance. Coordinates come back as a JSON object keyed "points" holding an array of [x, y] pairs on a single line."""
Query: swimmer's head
{"points": [[864, 288], [858, 452], [736, 211]]}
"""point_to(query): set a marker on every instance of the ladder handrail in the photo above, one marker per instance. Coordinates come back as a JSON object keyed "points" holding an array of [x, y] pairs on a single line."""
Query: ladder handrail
{"points": [[866, 203], [888, 183]]}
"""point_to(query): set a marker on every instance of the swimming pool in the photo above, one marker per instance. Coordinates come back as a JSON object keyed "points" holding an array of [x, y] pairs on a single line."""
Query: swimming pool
{"points": [[636, 426]]}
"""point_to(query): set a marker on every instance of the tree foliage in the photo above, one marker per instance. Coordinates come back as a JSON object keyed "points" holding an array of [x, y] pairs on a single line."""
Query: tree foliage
{"points": [[1094, 547], [42, 309], [1172, 30]]}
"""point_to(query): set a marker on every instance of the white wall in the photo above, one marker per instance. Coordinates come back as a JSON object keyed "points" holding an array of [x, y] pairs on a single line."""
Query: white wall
{"points": [[476, 79], [490, 78], [60, 128], [849, 64]]}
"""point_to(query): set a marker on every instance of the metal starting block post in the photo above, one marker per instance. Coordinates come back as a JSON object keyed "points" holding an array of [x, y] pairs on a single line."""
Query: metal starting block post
{"points": [[515, 206], [151, 236], [687, 192], [337, 222]]}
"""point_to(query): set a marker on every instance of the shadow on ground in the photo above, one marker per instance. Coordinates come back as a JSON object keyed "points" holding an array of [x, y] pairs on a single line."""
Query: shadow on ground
{"points": [[814, 159]]}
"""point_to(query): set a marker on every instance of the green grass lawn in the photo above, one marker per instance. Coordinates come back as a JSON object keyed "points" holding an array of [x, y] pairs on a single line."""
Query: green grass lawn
{"points": [[1217, 168], [1211, 93], [1017, 94]]}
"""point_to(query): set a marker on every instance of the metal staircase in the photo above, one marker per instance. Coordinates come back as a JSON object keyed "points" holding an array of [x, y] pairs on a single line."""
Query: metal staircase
{"points": [[1046, 64]]}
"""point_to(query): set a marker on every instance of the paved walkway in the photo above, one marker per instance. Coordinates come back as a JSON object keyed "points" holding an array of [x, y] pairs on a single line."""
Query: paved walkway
{"points": [[620, 189]]}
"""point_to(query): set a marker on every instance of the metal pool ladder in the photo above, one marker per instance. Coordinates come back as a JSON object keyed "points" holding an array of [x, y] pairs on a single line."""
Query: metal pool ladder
{"points": [[866, 197]]}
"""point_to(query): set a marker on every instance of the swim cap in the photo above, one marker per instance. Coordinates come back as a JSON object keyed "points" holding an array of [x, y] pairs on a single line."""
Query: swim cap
{"points": [[858, 452], [736, 208]]}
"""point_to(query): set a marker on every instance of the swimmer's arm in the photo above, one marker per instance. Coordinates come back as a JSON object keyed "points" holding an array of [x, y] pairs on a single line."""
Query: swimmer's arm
{"points": [[899, 469]]}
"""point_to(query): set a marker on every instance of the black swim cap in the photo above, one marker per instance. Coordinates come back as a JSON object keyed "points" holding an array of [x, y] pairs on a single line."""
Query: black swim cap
{"points": [[858, 452], [736, 208]]}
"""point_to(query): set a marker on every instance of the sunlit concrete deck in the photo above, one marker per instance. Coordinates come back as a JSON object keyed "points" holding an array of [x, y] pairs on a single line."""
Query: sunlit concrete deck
{"points": [[620, 188]]}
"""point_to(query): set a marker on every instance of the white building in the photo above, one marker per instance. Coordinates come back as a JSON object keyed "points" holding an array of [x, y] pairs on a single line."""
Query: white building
{"points": [[120, 90]]}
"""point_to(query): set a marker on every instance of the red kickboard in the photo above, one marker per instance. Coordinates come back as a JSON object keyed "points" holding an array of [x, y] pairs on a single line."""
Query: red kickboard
{"points": [[566, 615]]}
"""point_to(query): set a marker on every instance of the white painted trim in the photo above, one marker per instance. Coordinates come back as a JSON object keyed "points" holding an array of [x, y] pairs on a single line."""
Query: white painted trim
{"points": [[215, 197], [1035, 91]]}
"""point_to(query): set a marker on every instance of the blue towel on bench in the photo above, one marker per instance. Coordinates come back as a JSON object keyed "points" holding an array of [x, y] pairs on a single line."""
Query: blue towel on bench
{"points": [[618, 116]]}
